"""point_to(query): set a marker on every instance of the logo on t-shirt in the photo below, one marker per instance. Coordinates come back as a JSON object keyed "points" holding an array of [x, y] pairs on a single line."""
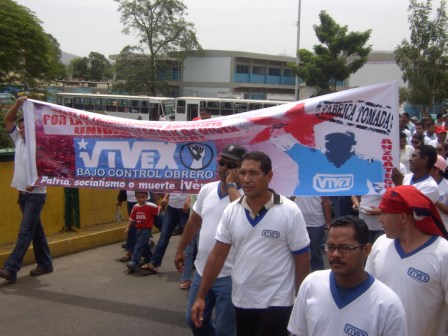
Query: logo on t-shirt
{"points": [[270, 234], [351, 330], [418, 275]]}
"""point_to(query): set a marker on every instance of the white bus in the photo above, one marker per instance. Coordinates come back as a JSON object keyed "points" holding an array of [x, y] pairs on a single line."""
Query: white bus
{"points": [[133, 107], [188, 108]]}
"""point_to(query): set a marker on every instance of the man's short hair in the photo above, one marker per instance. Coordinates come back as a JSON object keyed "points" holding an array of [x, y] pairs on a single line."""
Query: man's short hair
{"points": [[405, 114], [358, 224], [403, 135], [141, 192], [264, 159], [429, 152], [420, 123]]}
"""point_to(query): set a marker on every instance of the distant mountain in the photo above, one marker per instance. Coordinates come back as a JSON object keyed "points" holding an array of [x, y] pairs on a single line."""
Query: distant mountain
{"points": [[66, 57]]}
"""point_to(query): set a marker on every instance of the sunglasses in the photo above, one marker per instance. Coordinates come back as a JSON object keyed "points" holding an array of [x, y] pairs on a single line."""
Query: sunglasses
{"points": [[229, 165]]}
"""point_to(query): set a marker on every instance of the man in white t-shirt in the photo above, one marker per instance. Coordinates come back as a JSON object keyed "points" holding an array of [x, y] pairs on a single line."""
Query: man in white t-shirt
{"points": [[268, 234], [441, 133], [437, 173], [316, 211], [412, 259], [346, 300], [421, 163], [406, 151], [367, 206], [207, 211], [31, 200]]}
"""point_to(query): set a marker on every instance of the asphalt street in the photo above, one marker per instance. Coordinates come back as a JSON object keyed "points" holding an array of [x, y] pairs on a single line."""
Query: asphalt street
{"points": [[90, 293]]}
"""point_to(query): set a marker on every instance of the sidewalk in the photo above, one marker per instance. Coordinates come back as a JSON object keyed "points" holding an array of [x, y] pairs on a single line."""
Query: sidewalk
{"points": [[66, 243]]}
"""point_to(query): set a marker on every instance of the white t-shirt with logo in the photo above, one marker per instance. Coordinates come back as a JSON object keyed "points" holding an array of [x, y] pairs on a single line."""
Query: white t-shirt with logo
{"points": [[263, 273], [370, 309], [420, 279]]}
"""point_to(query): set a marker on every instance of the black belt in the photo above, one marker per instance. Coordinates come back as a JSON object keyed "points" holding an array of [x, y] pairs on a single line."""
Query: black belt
{"points": [[23, 192]]}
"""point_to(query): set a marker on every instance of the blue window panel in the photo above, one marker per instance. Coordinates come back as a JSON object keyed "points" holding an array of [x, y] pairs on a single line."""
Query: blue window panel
{"points": [[241, 78], [274, 80], [259, 79], [289, 81]]}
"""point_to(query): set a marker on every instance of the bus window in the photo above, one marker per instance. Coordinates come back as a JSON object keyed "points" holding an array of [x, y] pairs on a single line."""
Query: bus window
{"points": [[59, 100], [168, 107], [254, 106], [144, 107], [240, 107], [99, 104], [68, 102], [78, 103], [154, 111], [193, 111], [7, 100], [180, 107], [122, 105], [134, 106], [226, 108], [213, 107], [89, 104], [111, 105], [268, 105]]}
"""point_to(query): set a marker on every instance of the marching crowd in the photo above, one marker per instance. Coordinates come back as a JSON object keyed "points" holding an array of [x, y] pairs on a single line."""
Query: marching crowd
{"points": [[253, 249]]}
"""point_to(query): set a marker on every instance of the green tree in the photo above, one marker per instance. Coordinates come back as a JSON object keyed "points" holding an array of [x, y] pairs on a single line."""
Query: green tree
{"points": [[27, 54], [340, 54], [424, 58], [161, 29], [96, 67]]}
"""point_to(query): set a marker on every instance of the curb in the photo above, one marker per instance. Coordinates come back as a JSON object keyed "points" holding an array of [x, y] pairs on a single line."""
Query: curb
{"points": [[74, 242]]}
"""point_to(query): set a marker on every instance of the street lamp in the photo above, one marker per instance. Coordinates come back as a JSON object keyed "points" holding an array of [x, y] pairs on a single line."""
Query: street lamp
{"points": [[296, 88]]}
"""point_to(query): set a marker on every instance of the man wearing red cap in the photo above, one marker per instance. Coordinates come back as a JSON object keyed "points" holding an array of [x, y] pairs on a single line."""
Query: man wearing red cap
{"points": [[412, 258], [441, 133]]}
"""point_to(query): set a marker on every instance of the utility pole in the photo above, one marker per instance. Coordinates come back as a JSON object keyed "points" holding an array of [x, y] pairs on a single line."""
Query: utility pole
{"points": [[296, 88]]}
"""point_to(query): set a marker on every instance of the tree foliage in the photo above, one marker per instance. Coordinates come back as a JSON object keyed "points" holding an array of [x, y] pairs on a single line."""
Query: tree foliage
{"points": [[424, 58], [162, 29], [96, 67], [27, 54], [340, 54]]}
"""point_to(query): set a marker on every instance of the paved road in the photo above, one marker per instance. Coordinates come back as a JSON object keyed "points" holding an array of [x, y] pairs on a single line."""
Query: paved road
{"points": [[89, 293]]}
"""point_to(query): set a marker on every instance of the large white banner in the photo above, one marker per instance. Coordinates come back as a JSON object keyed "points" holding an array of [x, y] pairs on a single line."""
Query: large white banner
{"points": [[344, 143]]}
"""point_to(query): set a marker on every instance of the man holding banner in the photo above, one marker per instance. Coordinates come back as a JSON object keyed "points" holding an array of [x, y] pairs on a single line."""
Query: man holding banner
{"points": [[31, 201]]}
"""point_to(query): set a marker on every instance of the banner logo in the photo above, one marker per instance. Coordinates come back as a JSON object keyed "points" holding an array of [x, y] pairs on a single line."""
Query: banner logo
{"points": [[130, 158], [333, 182]]}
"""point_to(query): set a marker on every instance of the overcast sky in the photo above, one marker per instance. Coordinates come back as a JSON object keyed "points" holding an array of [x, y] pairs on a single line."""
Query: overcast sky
{"points": [[261, 26]]}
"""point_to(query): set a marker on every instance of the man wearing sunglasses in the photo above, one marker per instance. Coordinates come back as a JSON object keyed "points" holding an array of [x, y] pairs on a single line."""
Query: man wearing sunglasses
{"points": [[212, 199], [346, 300]]}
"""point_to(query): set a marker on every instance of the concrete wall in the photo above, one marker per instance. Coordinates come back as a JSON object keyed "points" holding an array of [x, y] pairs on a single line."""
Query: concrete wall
{"points": [[207, 69], [96, 207]]}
